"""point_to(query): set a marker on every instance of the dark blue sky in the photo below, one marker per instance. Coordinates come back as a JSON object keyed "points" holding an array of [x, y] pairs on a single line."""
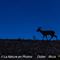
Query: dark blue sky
{"points": [[20, 18]]}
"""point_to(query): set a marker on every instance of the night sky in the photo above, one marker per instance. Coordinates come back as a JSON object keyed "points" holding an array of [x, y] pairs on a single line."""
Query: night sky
{"points": [[21, 18]]}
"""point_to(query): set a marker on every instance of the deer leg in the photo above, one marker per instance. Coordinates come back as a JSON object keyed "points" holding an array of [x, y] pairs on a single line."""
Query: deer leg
{"points": [[46, 38], [43, 37], [51, 37], [55, 37]]}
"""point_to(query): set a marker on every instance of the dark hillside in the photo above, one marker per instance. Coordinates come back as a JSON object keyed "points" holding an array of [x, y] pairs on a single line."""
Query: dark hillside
{"points": [[29, 47]]}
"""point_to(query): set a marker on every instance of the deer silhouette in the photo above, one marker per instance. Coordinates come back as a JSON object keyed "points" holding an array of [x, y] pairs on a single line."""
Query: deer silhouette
{"points": [[46, 33]]}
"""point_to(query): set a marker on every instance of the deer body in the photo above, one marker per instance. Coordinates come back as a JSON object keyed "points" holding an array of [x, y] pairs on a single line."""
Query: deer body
{"points": [[46, 33]]}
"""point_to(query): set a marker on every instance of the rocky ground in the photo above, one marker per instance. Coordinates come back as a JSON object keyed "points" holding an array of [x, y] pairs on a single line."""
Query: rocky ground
{"points": [[19, 47]]}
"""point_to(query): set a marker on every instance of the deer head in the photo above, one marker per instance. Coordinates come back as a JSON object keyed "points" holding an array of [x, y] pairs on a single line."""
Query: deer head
{"points": [[39, 29]]}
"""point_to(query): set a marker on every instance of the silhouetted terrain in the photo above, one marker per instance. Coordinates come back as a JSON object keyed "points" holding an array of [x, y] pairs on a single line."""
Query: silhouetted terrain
{"points": [[29, 47]]}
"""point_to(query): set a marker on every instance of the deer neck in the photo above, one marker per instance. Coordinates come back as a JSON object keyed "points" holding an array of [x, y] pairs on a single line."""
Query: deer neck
{"points": [[41, 30]]}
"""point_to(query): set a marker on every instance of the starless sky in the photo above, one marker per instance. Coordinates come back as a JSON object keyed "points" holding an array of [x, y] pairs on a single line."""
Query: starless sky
{"points": [[20, 18]]}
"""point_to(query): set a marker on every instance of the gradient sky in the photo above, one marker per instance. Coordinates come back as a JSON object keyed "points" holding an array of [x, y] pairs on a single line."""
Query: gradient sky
{"points": [[20, 18]]}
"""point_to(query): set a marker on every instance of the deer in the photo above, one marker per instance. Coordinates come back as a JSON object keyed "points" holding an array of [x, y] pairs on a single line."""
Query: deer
{"points": [[46, 33]]}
